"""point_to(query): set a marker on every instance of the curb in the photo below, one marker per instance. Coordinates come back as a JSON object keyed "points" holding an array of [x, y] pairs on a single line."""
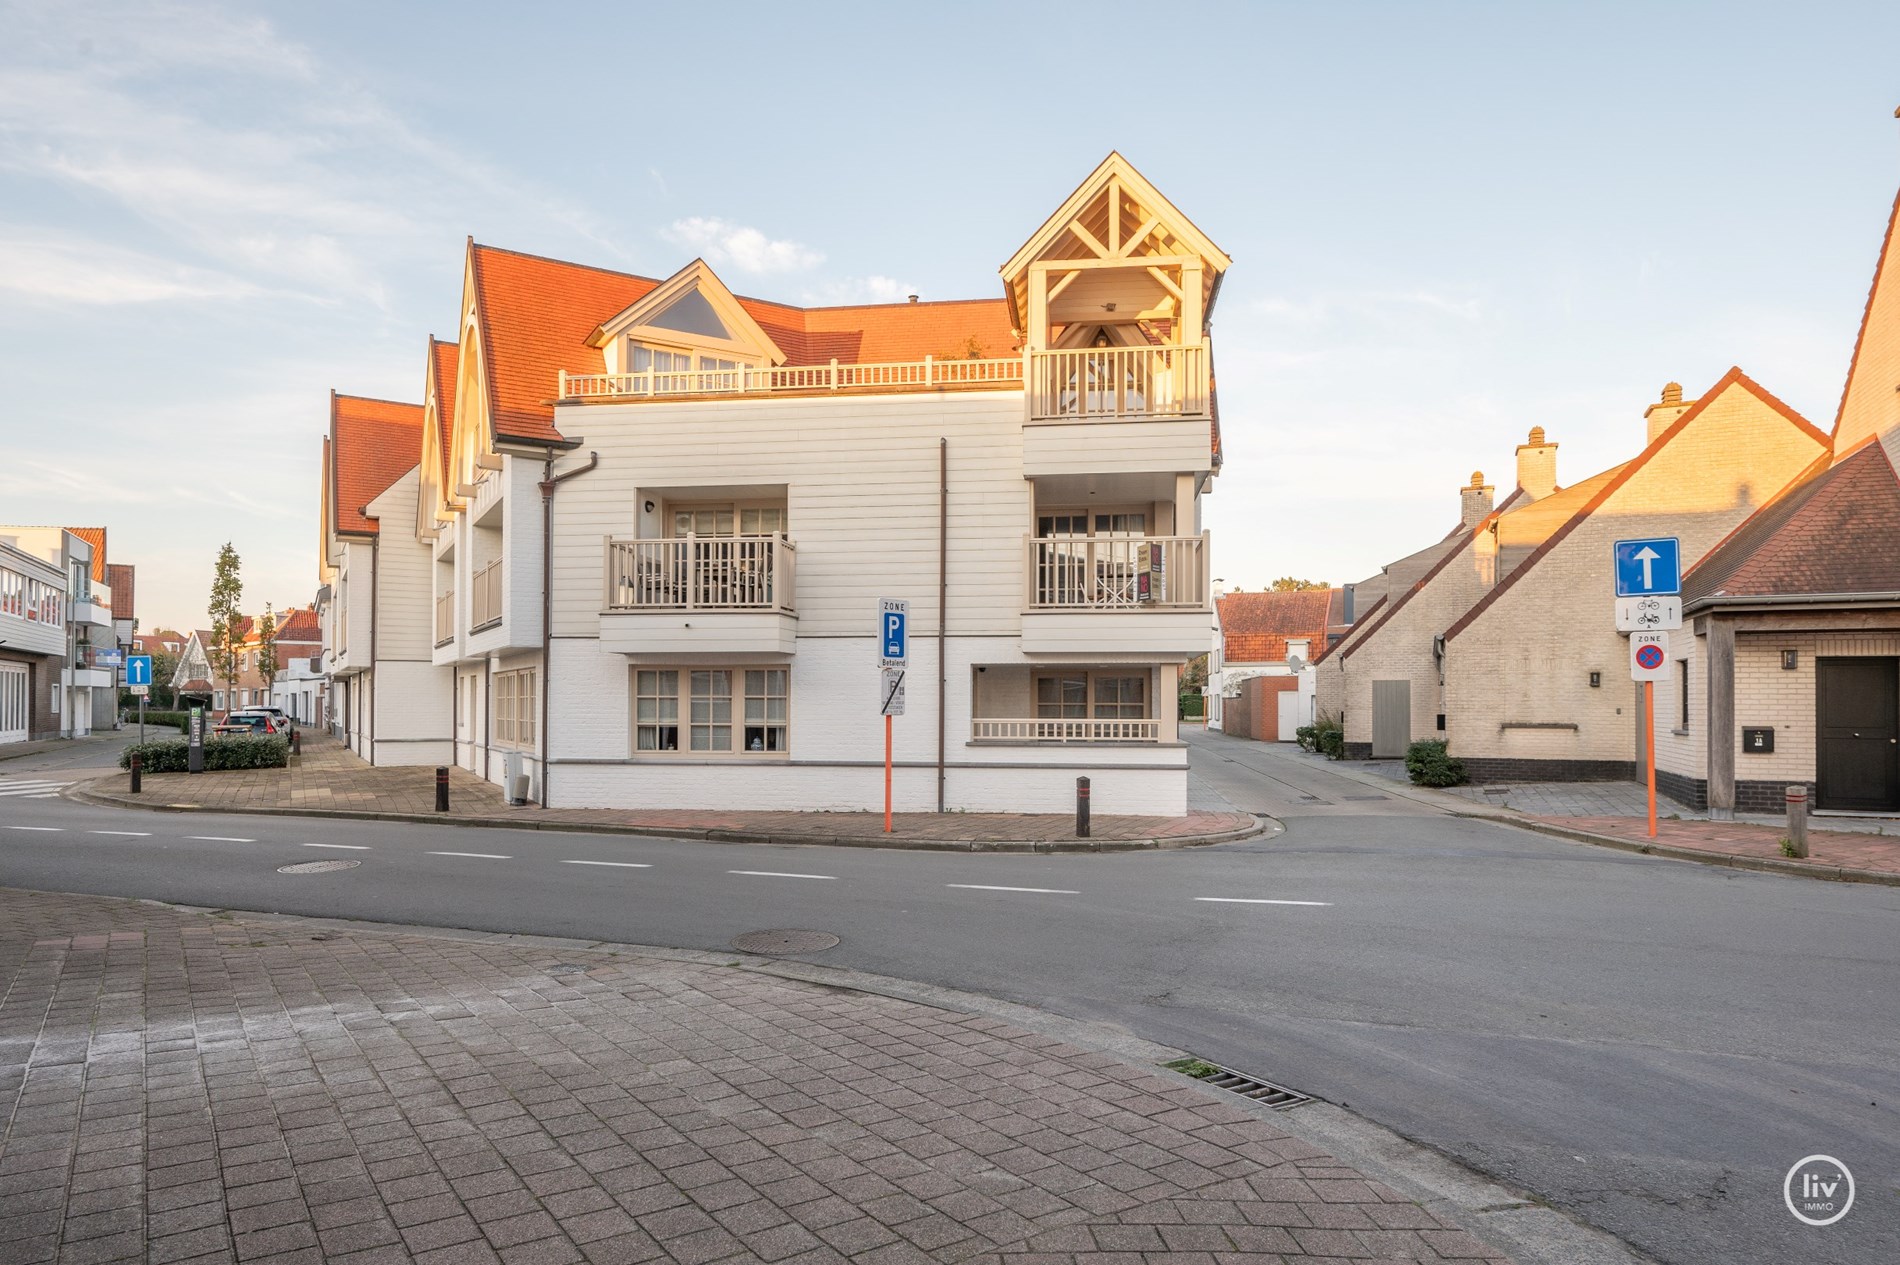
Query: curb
{"points": [[80, 791], [1732, 860]]}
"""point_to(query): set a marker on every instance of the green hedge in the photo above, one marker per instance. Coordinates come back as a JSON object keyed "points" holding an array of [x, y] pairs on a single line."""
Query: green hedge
{"points": [[1430, 764], [220, 753], [181, 721], [1329, 736]]}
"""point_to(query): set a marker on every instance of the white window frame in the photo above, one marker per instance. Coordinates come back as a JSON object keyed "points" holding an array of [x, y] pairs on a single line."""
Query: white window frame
{"points": [[1093, 705], [516, 715], [691, 711]]}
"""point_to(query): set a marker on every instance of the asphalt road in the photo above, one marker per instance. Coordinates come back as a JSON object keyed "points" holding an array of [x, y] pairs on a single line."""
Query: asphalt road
{"points": [[1647, 1044]]}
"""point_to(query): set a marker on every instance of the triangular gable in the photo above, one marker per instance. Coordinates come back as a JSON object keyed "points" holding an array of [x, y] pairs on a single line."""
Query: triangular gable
{"points": [[695, 304], [437, 499], [1870, 402], [1115, 212]]}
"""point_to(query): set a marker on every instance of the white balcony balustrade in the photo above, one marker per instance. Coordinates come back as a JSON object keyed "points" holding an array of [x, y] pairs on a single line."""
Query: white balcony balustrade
{"points": [[702, 573], [926, 374], [484, 607], [1116, 573], [1112, 383], [1064, 730]]}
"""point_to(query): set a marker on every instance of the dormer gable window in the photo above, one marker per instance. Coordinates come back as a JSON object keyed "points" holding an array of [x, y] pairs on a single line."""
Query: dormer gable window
{"points": [[687, 334]]}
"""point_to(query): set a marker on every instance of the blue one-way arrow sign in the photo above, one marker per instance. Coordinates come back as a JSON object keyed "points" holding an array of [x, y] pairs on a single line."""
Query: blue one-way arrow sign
{"points": [[138, 669], [1648, 567]]}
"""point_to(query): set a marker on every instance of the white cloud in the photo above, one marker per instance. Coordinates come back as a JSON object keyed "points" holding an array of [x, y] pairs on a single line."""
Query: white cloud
{"points": [[64, 269], [871, 289], [724, 244]]}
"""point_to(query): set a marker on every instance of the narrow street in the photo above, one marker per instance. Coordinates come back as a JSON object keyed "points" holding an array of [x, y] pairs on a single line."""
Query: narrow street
{"points": [[1624, 1037]]}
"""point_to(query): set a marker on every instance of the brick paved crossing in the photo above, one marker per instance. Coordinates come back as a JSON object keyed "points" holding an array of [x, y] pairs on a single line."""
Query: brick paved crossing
{"points": [[181, 1087]]}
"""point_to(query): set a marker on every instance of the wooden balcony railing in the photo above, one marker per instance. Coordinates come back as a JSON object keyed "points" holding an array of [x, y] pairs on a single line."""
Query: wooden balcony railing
{"points": [[484, 608], [924, 375], [1122, 573], [445, 618], [691, 573], [1039, 730], [1110, 383]]}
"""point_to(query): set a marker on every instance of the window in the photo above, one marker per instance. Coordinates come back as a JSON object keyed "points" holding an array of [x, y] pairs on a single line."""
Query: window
{"points": [[514, 705], [767, 521], [1682, 693], [1082, 695], [765, 716], [722, 520], [1121, 697], [704, 522], [706, 697], [217, 700], [1062, 697], [656, 710]]}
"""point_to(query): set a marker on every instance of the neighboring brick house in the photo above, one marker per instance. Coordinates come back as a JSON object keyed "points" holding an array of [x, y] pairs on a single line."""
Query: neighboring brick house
{"points": [[1788, 668], [1257, 639], [1536, 679]]}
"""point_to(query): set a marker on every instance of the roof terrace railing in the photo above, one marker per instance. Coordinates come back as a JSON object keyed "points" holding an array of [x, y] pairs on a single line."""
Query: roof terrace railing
{"points": [[930, 373]]}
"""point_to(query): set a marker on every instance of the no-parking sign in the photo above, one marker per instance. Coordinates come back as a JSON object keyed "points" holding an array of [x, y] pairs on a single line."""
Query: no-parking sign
{"points": [[1649, 656]]}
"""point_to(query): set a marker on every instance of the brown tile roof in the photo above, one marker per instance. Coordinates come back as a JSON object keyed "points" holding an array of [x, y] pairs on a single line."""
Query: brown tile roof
{"points": [[1255, 627], [300, 626], [1734, 377], [374, 443], [445, 361], [536, 315], [120, 576], [96, 536], [1837, 532]]}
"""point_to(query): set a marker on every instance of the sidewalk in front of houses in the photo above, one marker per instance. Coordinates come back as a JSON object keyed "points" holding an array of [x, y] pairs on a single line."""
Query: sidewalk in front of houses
{"points": [[328, 780], [216, 1087], [1615, 814]]}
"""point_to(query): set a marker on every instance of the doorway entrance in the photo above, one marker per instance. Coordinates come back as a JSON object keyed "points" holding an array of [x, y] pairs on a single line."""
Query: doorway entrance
{"points": [[1391, 719], [1857, 732]]}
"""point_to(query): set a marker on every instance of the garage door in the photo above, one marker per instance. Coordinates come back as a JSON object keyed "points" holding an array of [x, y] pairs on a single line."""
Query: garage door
{"points": [[1391, 718], [16, 702]]}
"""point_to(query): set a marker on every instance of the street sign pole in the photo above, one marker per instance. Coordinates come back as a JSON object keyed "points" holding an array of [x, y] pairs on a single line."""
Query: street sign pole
{"points": [[893, 639], [887, 773], [1649, 747]]}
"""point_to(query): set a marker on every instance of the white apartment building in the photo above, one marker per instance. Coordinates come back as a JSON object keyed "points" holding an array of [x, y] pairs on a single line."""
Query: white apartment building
{"points": [[55, 620], [655, 521]]}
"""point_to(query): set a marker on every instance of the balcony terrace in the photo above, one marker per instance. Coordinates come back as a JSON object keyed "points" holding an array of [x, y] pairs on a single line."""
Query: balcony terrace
{"points": [[742, 591]]}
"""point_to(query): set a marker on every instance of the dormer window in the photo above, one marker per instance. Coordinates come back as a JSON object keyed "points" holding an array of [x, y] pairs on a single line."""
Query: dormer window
{"points": [[687, 335]]}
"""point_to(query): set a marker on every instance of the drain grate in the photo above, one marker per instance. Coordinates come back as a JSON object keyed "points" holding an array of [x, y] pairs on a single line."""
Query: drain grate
{"points": [[1266, 1093], [785, 941], [317, 867]]}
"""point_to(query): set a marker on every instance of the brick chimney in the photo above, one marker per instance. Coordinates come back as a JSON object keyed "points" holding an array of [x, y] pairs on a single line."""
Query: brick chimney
{"points": [[1663, 414], [1475, 500], [1537, 465]]}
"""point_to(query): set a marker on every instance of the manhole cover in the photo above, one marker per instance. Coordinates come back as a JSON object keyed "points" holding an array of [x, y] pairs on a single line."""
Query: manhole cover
{"points": [[317, 867], [784, 941]]}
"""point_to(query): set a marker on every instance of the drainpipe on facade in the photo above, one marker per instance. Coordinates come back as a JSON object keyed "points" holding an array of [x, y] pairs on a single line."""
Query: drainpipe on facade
{"points": [[549, 482], [943, 599], [375, 585]]}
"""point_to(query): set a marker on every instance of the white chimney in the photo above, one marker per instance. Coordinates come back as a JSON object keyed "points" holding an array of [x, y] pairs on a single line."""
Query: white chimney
{"points": [[1475, 500], [1537, 466], [1664, 413]]}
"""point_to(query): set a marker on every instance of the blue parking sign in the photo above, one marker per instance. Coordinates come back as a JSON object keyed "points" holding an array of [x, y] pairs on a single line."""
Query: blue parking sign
{"points": [[1648, 567], [893, 632]]}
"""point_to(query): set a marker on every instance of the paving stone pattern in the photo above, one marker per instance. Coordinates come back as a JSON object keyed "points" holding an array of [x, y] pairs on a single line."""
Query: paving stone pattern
{"points": [[328, 776], [180, 1087]]}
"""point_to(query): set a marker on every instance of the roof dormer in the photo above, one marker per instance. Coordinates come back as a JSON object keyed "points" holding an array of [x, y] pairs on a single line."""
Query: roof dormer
{"points": [[689, 323]]}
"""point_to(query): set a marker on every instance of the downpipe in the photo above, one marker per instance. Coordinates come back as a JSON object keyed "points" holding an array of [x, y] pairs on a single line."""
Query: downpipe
{"points": [[549, 482]]}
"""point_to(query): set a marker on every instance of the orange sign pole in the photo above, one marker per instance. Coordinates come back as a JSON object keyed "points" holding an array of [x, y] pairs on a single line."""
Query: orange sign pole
{"points": [[887, 782], [1649, 747]]}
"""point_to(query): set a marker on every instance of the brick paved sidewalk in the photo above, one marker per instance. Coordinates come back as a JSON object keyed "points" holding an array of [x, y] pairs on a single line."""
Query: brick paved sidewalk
{"points": [[1874, 854], [179, 1087], [328, 778]]}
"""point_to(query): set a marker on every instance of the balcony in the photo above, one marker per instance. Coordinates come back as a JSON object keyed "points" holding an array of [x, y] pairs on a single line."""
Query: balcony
{"points": [[1064, 731], [1124, 596], [1118, 383], [94, 609], [484, 607], [445, 619], [733, 595], [928, 374]]}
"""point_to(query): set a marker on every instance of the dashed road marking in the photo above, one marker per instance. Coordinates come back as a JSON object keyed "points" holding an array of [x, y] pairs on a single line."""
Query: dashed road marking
{"points": [[348, 847], [54, 829], [625, 865], [777, 874], [130, 834], [220, 839], [482, 856], [985, 887], [1248, 900]]}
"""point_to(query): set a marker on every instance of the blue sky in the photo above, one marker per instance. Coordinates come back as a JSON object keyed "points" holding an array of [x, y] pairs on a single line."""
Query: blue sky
{"points": [[1449, 222]]}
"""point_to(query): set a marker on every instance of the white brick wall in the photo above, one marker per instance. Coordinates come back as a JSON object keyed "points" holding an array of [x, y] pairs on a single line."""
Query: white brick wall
{"points": [[1768, 694]]}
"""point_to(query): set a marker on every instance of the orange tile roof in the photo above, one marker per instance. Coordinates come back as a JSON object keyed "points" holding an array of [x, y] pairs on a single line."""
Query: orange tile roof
{"points": [[536, 314], [300, 626], [119, 576], [1255, 626], [374, 443], [445, 361], [96, 536]]}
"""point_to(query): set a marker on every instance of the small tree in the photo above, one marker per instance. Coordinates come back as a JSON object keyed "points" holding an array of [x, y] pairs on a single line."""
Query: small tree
{"points": [[1289, 584], [227, 623], [267, 665]]}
